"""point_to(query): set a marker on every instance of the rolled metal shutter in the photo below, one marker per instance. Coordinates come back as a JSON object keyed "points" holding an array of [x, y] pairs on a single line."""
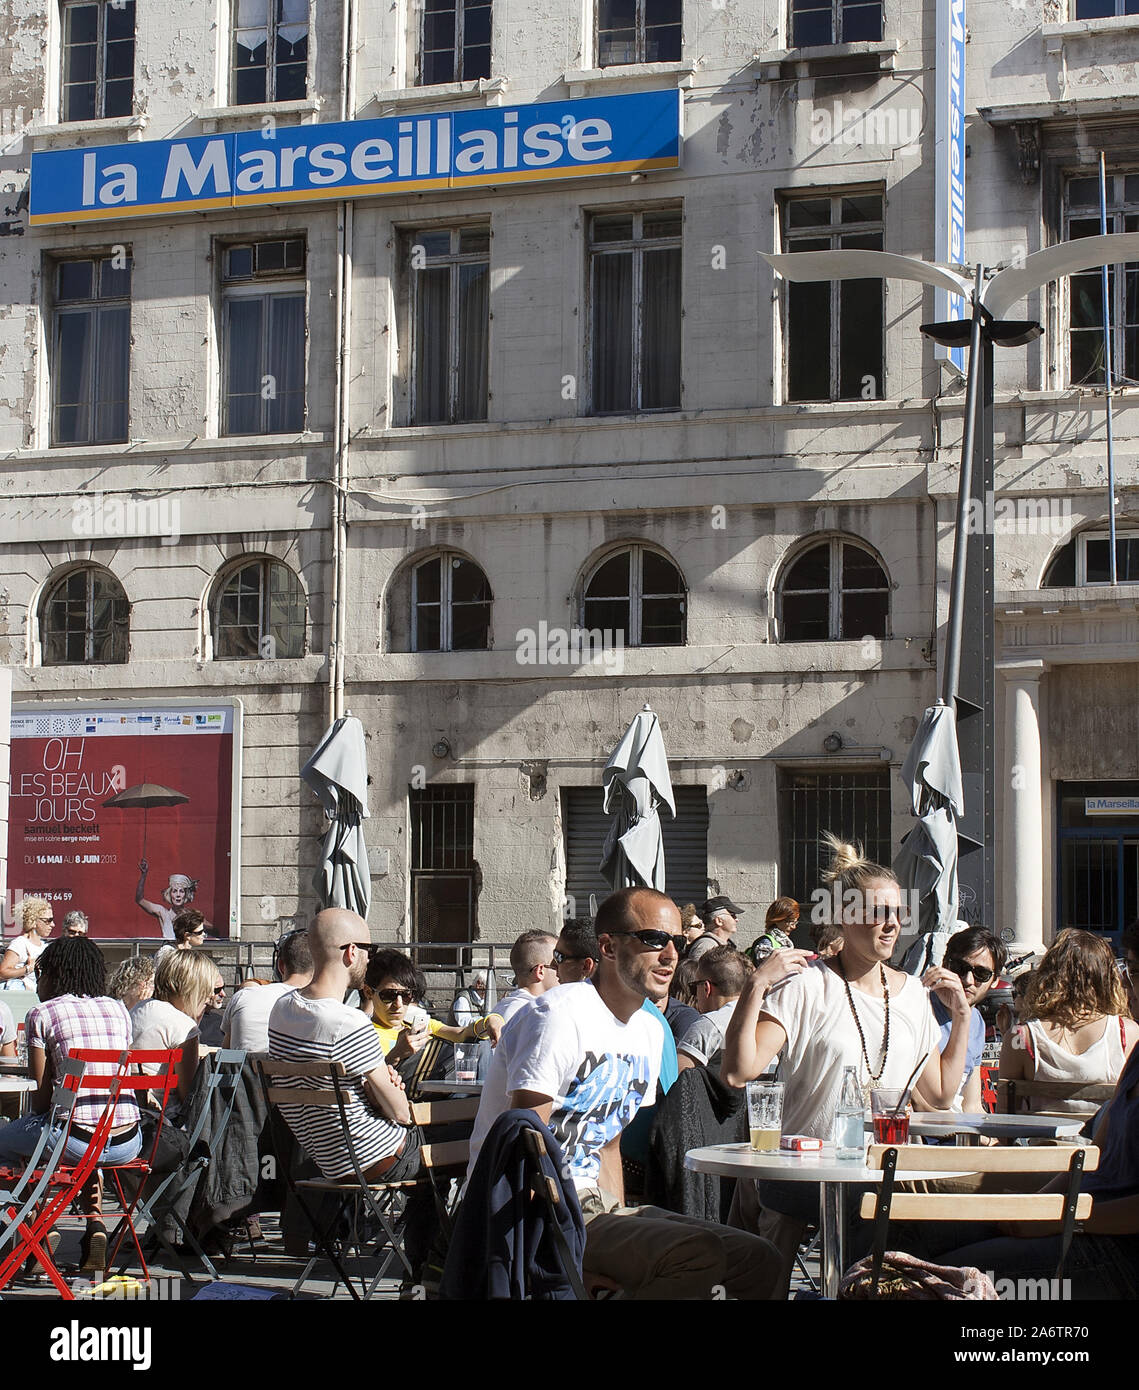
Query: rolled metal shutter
{"points": [[685, 845]]}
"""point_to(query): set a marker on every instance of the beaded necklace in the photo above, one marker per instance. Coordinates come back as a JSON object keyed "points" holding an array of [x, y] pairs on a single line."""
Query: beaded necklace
{"points": [[874, 1076]]}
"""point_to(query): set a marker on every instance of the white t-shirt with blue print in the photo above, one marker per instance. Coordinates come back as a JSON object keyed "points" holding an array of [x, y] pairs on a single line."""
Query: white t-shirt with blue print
{"points": [[598, 1071]]}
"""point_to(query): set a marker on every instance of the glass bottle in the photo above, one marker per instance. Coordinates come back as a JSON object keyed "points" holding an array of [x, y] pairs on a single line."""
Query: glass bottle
{"points": [[849, 1127]]}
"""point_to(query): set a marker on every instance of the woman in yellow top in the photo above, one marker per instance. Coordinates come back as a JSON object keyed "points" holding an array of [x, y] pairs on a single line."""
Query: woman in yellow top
{"points": [[393, 993]]}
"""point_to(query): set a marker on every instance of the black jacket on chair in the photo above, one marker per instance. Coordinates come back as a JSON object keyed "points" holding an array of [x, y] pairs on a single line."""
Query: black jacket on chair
{"points": [[698, 1110], [501, 1243]]}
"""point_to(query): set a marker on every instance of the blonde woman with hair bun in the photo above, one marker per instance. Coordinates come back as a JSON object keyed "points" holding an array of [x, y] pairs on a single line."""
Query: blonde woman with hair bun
{"points": [[851, 1009]]}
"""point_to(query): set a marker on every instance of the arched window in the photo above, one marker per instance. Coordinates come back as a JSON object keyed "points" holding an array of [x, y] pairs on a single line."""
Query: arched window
{"points": [[450, 605], [1086, 559], [85, 619], [832, 590], [258, 611], [640, 593]]}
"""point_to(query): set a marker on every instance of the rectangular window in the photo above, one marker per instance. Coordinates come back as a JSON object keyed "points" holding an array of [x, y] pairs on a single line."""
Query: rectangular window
{"points": [[639, 31], [835, 333], [455, 41], [685, 846], [852, 805], [443, 868], [270, 51], [1085, 324], [817, 23], [98, 59], [634, 278], [450, 323], [90, 350], [263, 337], [1104, 9]]}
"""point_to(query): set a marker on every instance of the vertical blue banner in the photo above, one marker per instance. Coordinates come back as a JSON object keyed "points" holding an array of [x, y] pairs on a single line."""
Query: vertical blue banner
{"points": [[949, 161]]}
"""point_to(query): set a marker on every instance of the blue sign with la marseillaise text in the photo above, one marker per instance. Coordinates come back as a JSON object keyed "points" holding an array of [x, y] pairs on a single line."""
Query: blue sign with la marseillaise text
{"points": [[358, 159]]}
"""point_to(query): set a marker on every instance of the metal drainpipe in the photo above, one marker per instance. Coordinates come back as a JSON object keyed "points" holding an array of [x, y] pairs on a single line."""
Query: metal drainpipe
{"points": [[341, 429]]}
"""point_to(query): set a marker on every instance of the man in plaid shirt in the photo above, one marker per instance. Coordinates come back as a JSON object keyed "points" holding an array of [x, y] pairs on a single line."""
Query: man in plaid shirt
{"points": [[75, 1013]]}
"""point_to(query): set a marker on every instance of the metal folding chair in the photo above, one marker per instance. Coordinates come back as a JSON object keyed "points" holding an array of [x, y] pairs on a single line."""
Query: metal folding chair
{"points": [[56, 1184], [160, 1203], [163, 1083]]}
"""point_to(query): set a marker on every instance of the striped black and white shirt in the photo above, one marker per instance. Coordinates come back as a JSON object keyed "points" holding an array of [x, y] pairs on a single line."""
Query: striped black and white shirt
{"points": [[324, 1030]]}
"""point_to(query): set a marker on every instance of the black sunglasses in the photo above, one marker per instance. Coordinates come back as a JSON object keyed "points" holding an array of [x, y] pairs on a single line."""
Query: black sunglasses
{"points": [[560, 957], [389, 996], [655, 940], [981, 973]]}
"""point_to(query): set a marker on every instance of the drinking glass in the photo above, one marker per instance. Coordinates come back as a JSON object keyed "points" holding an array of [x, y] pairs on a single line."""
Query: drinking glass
{"points": [[890, 1127], [765, 1114]]}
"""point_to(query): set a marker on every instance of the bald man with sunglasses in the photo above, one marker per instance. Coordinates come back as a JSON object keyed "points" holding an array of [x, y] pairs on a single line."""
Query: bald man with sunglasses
{"points": [[586, 1057]]}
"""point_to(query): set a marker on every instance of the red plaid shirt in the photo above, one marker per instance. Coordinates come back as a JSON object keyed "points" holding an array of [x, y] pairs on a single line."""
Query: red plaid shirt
{"points": [[75, 1021]]}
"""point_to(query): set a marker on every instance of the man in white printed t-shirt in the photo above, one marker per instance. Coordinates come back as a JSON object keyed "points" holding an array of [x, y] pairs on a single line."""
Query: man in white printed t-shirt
{"points": [[585, 1057], [245, 1024]]}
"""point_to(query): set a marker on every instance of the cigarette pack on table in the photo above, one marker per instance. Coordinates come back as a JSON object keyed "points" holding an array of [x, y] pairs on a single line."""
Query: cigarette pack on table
{"points": [[800, 1143]]}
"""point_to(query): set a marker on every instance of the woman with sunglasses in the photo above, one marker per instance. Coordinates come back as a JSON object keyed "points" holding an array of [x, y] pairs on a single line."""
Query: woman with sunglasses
{"points": [[394, 990], [18, 967], [1078, 1029], [976, 957]]}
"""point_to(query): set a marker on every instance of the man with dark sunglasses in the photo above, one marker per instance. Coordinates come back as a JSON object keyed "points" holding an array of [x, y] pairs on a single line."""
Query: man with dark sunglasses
{"points": [[586, 1059], [976, 957], [576, 952]]}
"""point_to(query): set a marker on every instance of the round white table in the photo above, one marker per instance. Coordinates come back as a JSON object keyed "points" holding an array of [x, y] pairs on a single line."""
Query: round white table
{"points": [[451, 1088], [830, 1173], [968, 1128], [21, 1086]]}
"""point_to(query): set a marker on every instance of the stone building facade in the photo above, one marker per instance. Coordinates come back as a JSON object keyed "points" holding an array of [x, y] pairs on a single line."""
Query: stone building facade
{"points": [[497, 415]]}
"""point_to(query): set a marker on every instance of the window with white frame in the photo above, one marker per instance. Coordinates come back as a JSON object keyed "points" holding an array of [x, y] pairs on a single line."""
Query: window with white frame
{"points": [[1085, 292], [820, 23], [450, 605], [638, 596], [263, 336], [270, 51], [1086, 559], [454, 41], [84, 619], [635, 320], [450, 323], [258, 611], [835, 330], [98, 59], [639, 31], [90, 360], [833, 590]]}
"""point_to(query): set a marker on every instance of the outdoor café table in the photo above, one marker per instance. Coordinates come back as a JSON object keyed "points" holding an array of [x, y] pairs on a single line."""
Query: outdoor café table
{"points": [[968, 1129], [451, 1088], [19, 1086], [830, 1173]]}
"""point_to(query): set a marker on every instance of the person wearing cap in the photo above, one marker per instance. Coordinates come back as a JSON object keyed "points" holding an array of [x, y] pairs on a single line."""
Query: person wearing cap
{"points": [[721, 922]]}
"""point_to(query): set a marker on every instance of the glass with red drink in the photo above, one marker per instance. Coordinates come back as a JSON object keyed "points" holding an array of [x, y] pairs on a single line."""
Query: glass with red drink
{"points": [[891, 1125]]}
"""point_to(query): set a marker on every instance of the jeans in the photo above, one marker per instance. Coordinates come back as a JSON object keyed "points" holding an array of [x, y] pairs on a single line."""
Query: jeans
{"points": [[18, 1139]]}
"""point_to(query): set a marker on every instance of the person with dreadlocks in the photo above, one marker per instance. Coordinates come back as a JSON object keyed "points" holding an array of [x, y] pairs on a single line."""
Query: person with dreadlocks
{"points": [[74, 1013]]}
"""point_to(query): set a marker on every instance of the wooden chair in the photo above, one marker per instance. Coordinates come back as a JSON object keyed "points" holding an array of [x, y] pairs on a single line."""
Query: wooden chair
{"points": [[546, 1190], [907, 1162], [1010, 1094]]}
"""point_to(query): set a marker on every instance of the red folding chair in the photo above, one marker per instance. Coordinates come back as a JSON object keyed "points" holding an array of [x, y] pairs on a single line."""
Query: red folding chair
{"points": [[163, 1083], [36, 1216]]}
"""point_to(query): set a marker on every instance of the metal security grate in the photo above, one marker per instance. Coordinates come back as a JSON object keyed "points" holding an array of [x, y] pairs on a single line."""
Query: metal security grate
{"points": [[853, 805], [685, 845], [443, 828]]}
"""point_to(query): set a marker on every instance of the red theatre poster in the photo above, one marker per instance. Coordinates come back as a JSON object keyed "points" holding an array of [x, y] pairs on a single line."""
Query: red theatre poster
{"points": [[128, 810]]}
